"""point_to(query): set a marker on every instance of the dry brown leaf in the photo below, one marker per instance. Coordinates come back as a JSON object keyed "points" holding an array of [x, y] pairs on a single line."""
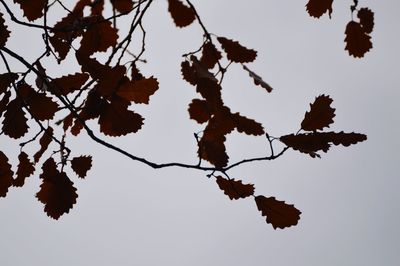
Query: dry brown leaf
{"points": [[321, 114], [235, 189]]}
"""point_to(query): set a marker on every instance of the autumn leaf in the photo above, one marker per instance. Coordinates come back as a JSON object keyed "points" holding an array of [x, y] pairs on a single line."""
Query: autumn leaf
{"points": [[181, 14], [321, 114], [257, 79], [316, 8], [15, 123], [68, 84], [247, 125], [81, 165], [122, 6], [211, 91], [366, 17], [320, 141], [4, 32], [210, 55], [188, 73], [138, 91], [4, 102], [32, 9], [235, 189], [57, 191], [214, 151], [6, 175], [358, 42], [278, 213], [98, 37], [44, 142], [236, 52], [25, 169], [199, 111], [116, 120], [6, 80]]}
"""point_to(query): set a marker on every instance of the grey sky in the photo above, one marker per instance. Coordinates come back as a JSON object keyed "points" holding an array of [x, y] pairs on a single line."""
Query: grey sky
{"points": [[129, 214]]}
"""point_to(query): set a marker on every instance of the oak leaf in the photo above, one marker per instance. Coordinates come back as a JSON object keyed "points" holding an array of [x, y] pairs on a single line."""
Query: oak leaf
{"points": [[6, 80], [181, 14], [321, 114], [235, 189], [40, 105], [81, 165], [210, 55], [316, 8], [57, 191], [32, 9], [199, 111], [138, 91], [257, 79], [236, 52], [4, 32], [6, 175], [188, 73], [15, 123], [122, 6], [278, 213], [213, 150], [358, 42], [98, 37], [44, 142], [247, 125], [68, 84], [366, 17], [24, 170]]}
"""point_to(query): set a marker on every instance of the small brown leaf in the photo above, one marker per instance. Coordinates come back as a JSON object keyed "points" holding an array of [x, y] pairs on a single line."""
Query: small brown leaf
{"points": [[199, 111], [210, 55], [44, 141], [32, 9], [316, 8], [278, 213], [25, 169], [247, 125], [57, 191], [6, 175], [236, 52], [15, 122], [321, 114], [188, 73], [4, 32], [81, 165], [181, 14], [235, 189], [358, 42], [258, 80], [366, 17], [138, 91], [213, 151]]}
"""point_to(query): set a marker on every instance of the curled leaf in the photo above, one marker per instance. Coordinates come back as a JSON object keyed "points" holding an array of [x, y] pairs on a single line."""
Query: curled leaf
{"points": [[236, 52], [44, 141], [321, 114], [235, 189], [257, 79], [278, 213]]}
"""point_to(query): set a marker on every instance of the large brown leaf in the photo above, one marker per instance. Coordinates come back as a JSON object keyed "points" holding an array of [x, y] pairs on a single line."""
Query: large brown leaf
{"points": [[316, 8], [6, 175], [57, 192], [278, 213], [321, 114], [181, 14], [236, 52], [235, 189], [358, 42]]}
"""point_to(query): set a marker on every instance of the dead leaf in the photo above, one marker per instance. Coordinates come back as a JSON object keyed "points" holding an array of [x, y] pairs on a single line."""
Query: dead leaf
{"points": [[25, 169], [316, 8], [235, 189], [81, 165], [321, 114], [44, 141], [181, 14], [138, 91], [278, 213], [6, 175], [15, 123], [366, 17], [4, 32], [236, 52], [199, 111], [358, 42], [210, 55], [32, 9]]}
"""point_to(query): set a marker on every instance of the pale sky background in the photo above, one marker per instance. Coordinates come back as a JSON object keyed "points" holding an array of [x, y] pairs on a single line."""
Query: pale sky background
{"points": [[130, 214]]}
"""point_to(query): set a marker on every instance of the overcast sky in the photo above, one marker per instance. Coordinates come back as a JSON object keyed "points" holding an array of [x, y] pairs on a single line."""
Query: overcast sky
{"points": [[130, 214]]}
